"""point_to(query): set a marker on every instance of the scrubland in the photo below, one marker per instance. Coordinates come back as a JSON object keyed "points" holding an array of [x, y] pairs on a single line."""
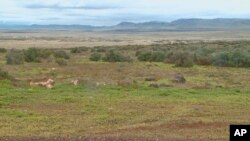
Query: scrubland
{"points": [[129, 92]]}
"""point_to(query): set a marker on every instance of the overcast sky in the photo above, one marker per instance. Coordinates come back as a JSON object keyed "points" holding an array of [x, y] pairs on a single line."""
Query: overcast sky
{"points": [[109, 12]]}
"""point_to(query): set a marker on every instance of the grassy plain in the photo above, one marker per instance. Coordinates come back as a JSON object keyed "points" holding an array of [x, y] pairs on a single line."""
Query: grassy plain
{"points": [[200, 109], [69, 39]]}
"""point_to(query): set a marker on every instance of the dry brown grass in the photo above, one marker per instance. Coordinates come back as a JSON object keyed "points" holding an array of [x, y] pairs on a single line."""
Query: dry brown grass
{"points": [[69, 39]]}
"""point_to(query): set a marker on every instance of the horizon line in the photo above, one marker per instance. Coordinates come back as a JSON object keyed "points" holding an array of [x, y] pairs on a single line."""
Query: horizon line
{"points": [[16, 23]]}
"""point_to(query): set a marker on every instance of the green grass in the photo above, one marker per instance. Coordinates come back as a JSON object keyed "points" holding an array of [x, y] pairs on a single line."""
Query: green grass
{"points": [[143, 111]]}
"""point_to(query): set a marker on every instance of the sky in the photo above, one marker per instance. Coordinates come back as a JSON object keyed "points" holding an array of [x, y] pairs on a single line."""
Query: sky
{"points": [[111, 12]]}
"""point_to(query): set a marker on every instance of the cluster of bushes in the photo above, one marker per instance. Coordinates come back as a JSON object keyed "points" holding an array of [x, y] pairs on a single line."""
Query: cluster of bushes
{"points": [[17, 57], [183, 59], [232, 59], [95, 57], [61, 54], [224, 54], [99, 49], [186, 55], [78, 49], [110, 56], [36, 55], [182, 55], [3, 50], [179, 58], [113, 56], [4, 75], [61, 62], [151, 56]]}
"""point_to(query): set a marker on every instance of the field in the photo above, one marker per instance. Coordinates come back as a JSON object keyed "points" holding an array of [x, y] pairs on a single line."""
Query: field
{"points": [[124, 100], [69, 39]]}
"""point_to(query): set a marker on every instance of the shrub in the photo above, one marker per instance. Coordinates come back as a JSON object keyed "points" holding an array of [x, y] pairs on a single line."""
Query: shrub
{"points": [[112, 56], [151, 56], [203, 59], [183, 59], [36, 55], [203, 56], [99, 49], [76, 50], [32, 55], [15, 57], [61, 54], [145, 56], [222, 59], [61, 62], [158, 57], [232, 59], [4, 75], [95, 57], [240, 59], [3, 50], [45, 53]]}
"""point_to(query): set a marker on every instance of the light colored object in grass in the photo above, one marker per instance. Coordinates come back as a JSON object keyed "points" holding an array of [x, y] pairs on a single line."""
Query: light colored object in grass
{"points": [[75, 82], [53, 69], [100, 84], [47, 83]]}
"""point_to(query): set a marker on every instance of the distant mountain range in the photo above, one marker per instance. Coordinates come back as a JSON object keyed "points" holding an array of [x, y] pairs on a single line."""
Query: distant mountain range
{"points": [[177, 25]]}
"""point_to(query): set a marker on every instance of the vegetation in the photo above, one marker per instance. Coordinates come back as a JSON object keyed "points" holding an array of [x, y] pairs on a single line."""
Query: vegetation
{"points": [[4, 75], [15, 57], [78, 49], [3, 50], [75, 50], [113, 56], [183, 59], [107, 110], [232, 59], [236, 54], [61, 62], [151, 56], [136, 99], [36, 55], [61, 54], [95, 57]]}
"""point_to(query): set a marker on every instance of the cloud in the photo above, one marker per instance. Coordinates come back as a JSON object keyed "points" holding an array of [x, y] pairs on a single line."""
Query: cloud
{"points": [[106, 12], [59, 7]]}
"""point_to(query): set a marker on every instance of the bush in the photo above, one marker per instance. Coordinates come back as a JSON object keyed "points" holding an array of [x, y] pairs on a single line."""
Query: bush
{"points": [[99, 49], [61, 54], [61, 62], [36, 55], [183, 59], [3, 50], [4, 75], [203, 59], [232, 59], [222, 59], [112, 56], [32, 55], [240, 59], [95, 57], [45, 53], [76, 50], [158, 57], [145, 56], [151, 56], [15, 57]]}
